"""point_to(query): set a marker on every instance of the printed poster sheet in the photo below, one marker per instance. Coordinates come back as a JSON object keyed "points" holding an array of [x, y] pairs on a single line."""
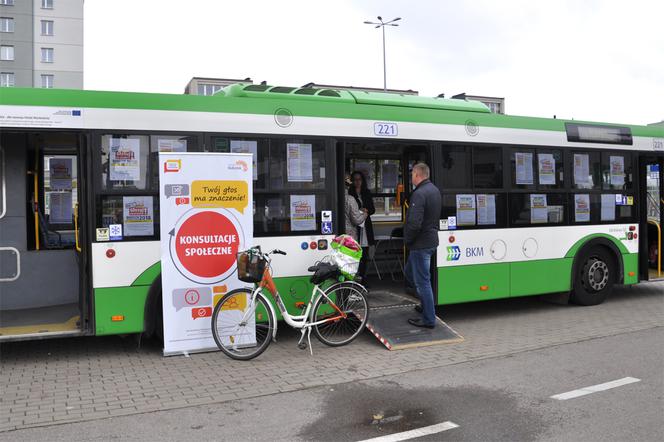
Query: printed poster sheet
{"points": [[608, 207], [300, 168], [524, 167], [137, 215], [125, 159], [389, 174], [465, 209], [206, 217], [539, 212], [302, 212], [486, 210], [60, 173], [581, 169], [171, 145], [246, 146], [547, 168], [582, 208], [60, 208], [617, 165]]}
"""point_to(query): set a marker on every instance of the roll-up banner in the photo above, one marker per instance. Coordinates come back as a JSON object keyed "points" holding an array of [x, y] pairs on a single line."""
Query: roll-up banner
{"points": [[206, 217]]}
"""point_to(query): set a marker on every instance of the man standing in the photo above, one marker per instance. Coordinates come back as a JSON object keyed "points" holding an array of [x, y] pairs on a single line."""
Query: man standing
{"points": [[421, 237]]}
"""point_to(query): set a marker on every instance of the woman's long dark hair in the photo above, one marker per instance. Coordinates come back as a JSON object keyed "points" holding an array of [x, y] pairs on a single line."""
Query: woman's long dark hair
{"points": [[364, 188]]}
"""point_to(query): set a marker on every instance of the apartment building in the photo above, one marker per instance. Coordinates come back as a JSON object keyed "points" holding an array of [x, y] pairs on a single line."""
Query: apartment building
{"points": [[41, 43]]}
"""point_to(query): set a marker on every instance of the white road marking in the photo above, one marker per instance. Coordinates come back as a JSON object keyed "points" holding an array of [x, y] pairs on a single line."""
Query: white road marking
{"points": [[412, 434], [594, 388]]}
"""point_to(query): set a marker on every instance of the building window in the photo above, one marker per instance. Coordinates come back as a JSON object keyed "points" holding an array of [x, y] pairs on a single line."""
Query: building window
{"points": [[47, 4], [7, 2], [47, 81], [6, 24], [47, 27], [208, 89], [47, 55], [7, 79], [7, 53]]}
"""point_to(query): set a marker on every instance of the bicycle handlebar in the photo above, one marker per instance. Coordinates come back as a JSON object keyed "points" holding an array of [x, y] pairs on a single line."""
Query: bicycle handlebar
{"points": [[278, 252]]}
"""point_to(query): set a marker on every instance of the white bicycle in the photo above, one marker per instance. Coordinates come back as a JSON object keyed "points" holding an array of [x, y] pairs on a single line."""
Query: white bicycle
{"points": [[244, 321]]}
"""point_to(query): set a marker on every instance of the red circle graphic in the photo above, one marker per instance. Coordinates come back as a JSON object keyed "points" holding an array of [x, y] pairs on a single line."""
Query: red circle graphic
{"points": [[206, 244]]}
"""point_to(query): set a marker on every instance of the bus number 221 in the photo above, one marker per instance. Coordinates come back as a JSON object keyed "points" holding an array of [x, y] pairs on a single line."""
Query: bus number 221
{"points": [[386, 129]]}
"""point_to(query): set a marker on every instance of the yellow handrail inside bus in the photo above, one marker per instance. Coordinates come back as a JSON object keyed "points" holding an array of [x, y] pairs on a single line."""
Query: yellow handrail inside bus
{"points": [[78, 247], [659, 246], [35, 209]]}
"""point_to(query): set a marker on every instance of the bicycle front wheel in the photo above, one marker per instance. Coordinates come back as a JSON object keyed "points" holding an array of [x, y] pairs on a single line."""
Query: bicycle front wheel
{"points": [[242, 328], [345, 322]]}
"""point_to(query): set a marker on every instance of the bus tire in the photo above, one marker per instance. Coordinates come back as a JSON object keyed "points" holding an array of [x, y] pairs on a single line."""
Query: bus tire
{"points": [[595, 275], [154, 318]]}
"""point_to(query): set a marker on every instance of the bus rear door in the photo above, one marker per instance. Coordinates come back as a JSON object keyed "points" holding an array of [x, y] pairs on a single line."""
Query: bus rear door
{"points": [[42, 242]]}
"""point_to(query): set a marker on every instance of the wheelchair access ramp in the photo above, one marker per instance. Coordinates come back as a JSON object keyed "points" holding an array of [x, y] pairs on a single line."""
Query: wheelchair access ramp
{"points": [[388, 322]]}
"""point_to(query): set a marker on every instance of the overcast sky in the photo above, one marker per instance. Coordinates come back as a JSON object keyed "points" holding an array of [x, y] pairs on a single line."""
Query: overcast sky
{"points": [[590, 60]]}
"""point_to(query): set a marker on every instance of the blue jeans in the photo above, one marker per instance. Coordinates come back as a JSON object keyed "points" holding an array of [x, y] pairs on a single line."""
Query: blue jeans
{"points": [[418, 275]]}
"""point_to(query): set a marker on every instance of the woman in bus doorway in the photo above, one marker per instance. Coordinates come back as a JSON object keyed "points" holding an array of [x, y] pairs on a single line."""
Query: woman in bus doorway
{"points": [[353, 215], [360, 191]]}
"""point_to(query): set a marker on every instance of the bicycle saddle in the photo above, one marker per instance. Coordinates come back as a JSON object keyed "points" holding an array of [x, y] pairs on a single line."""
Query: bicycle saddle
{"points": [[323, 271]]}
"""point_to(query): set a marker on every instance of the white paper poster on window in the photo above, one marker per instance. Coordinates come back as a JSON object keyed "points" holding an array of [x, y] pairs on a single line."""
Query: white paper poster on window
{"points": [[125, 159], [524, 167], [246, 146], [539, 212], [547, 168], [608, 211], [617, 165], [581, 169], [60, 208], [202, 228], [465, 209], [137, 216], [300, 168], [486, 209], [302, 212], [60, 173], [581, 208], [171, 145], [389, 173]]}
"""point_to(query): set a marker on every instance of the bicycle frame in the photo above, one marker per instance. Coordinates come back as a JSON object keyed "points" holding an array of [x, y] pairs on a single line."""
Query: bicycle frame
{"points": [[302, 322]]}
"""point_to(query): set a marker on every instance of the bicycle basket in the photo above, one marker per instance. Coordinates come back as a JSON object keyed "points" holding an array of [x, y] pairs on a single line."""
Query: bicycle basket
{"points": [[250, 266], [346, 254]]}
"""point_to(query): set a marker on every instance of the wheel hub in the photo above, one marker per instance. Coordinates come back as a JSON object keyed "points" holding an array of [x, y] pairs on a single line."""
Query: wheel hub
{"points": [[598, 275]]}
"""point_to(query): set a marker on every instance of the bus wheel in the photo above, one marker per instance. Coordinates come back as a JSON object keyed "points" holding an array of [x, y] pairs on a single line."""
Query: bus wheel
{"points": [[594, 277]]}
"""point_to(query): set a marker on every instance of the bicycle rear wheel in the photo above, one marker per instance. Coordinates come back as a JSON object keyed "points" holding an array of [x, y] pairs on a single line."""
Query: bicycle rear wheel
{"points": [[242, 329], [350, 299]]}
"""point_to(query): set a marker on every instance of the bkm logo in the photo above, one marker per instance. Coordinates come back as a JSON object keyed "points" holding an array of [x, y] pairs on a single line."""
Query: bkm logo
{"points": [[453, 253]]}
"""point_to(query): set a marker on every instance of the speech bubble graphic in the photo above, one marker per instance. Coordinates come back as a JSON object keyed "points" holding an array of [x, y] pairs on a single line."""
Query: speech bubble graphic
{"points": [[191, 297], [216, 193], [176, 190], [181, 200], [172, 166], [201, 312]]}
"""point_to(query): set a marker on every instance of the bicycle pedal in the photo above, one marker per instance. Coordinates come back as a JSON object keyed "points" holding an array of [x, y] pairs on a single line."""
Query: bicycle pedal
{"points": [[302, 345], [301, 305]]}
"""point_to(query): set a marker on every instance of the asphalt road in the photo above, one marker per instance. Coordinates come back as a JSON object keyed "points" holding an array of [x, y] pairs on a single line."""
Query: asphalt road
{"points": [[503, 398]]}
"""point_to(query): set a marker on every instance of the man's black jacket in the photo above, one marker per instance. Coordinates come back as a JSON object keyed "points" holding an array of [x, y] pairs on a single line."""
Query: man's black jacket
{"points": [[421, 229]]}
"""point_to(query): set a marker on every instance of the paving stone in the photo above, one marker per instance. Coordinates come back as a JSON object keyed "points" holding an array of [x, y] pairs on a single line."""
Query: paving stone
{"points": [[101, 377]]}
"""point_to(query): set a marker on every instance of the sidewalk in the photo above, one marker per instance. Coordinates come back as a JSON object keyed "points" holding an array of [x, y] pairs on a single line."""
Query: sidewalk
{"points": [[68, 380]]}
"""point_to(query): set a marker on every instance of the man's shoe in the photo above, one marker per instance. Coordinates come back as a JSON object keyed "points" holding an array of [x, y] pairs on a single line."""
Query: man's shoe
{"points": [[418, 308], [419, 323]]}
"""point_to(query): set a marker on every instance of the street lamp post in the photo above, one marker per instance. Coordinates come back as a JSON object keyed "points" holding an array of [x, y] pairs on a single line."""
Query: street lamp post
{"points": [[381, 24]]}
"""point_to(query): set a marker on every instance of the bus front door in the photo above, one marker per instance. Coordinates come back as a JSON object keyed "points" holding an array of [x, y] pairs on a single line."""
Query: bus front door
{"points": [[41, 248], [652, 221]]}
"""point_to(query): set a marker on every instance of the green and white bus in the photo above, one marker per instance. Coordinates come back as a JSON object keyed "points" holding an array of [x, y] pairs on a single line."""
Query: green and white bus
{"points": [[530, 205]]}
